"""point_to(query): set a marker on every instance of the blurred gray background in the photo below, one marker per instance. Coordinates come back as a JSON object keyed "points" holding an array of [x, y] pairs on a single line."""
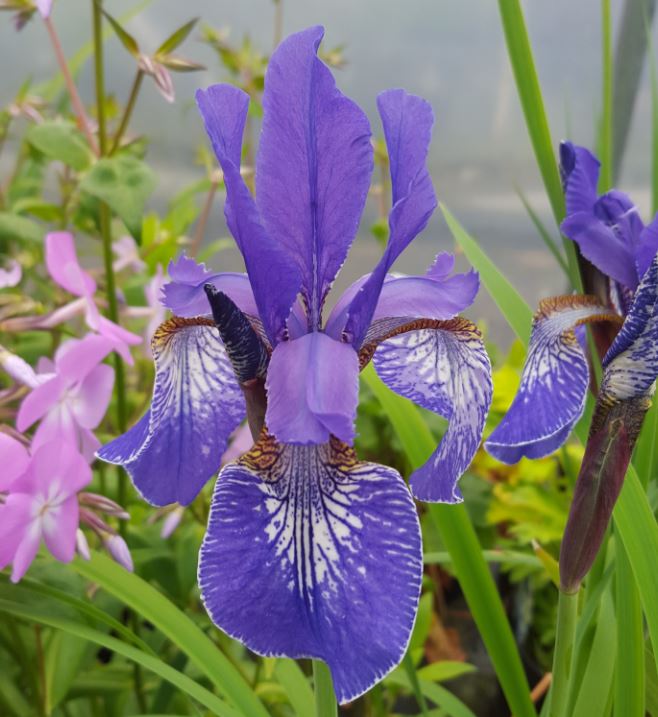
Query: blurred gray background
{"points": [[449, 51]]}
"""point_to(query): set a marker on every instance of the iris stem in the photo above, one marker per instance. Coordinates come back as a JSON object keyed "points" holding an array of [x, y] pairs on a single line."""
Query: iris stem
{"points": [[325, 699], [78, 107], [200, 229], [127, 113], [567, 615], [410, 669]]}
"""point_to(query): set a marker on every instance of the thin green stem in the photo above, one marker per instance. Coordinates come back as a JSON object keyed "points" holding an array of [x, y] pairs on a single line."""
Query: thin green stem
{"points": [[78, 107], [410, 669], [105, 220], [325, 699], [127, 113], [566, 630]]}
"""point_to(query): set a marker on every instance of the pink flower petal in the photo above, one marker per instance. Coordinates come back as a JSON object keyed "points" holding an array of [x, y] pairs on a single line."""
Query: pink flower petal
{"points": [[77, 358], [14, 460], [63, 266], [26, 551], [57, 471], [57, 426], [59, 525], [90, 399], [39, 402], [14, 519]]}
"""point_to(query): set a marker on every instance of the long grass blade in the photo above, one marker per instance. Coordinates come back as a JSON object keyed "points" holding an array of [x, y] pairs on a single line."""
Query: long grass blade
{"points": [[605, 127], [629, 675], [527, 83], [175, 625], [154, 664], [511, 304], [543, 232]]}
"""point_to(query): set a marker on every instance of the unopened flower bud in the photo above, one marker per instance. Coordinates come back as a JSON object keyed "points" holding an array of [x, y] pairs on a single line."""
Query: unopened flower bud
{"points": [[116, 546]]}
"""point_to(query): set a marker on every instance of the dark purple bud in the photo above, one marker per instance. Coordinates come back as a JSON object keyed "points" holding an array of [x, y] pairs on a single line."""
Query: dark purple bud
{"points": [[247, 353], [607, 455]]}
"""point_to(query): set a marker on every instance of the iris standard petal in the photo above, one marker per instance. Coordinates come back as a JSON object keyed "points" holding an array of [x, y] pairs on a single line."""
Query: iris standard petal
{"points": [[554, 382], [196, 405], [314, 164], [631, 364], [328, 565], [224, 111], [443, 367], [580, 176], [647, 247], [407, 122], [312, 390], [600, 244], [185, 296]]}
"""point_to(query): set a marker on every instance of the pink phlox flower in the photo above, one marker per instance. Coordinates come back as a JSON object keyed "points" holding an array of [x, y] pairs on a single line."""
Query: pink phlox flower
{"points": [[65, 270], [41, 504], [127, 256], [74, 396], [11, 276]]}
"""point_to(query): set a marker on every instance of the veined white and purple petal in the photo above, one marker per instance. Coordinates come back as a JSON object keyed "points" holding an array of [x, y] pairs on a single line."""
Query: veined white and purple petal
{"points": [[177, 446], [224, 111], [631, 364], [184, 294], [444, 368], [310, 553], [407, 122], [551, 396], [314, 164]]}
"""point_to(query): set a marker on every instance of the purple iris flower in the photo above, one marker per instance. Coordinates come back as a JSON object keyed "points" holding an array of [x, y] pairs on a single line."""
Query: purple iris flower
{"points": [[607, 228], [555, 377], [310, 552]]}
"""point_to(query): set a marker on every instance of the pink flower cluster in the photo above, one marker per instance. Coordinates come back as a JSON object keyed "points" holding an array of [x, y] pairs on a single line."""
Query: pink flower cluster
{"points": [[40, 486]]}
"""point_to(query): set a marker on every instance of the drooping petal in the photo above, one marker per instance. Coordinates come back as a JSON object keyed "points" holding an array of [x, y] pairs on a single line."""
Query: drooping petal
{"points": [[185, 295], [14, 459], [314, 164], [599, 243], [407, 122], [330, 553], [647, 247], [444, 367], [312, 390], [274, 276], [436, 295], [196, 405], [551, 396], [63, 266], [631, 364], [580, 176]]}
